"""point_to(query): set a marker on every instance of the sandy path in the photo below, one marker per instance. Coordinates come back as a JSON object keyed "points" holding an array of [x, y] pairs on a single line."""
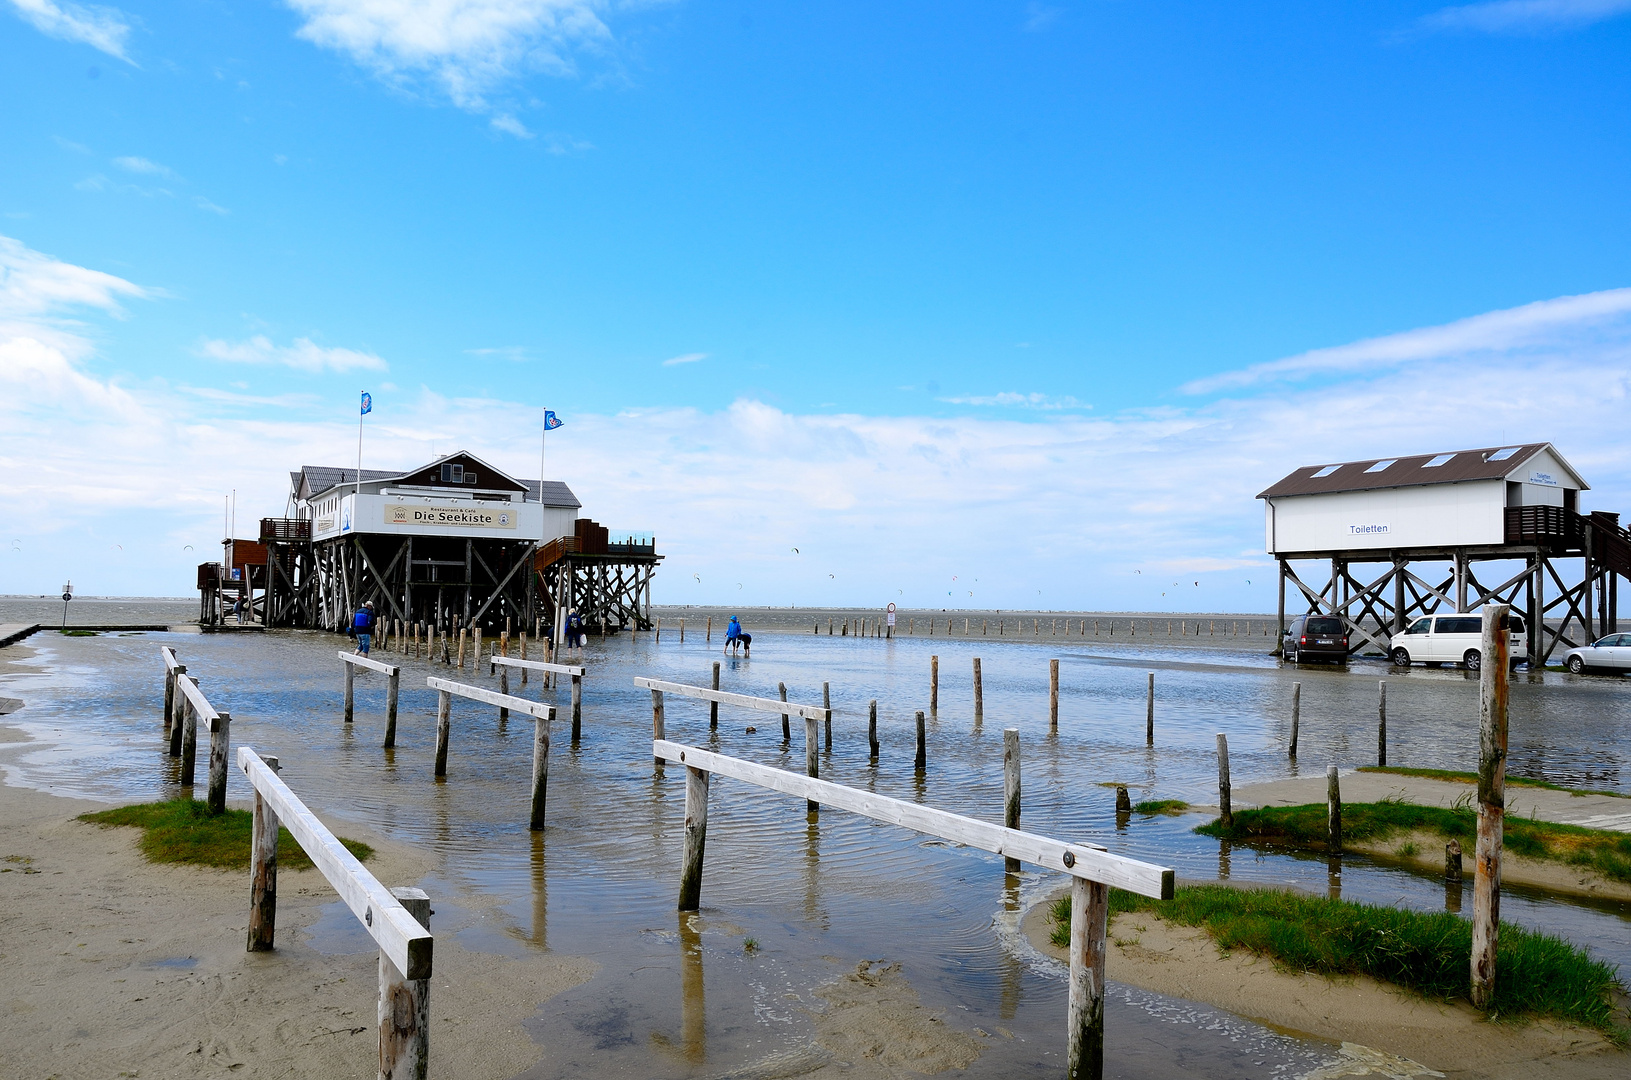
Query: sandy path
{"points": [[118, 967], [1384, 1024]]}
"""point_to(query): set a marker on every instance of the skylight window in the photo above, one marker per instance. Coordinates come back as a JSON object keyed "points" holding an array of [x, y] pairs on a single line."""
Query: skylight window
{"points": [[1380, 465], [1502, 455], [1327, 471], [1442, 459]]}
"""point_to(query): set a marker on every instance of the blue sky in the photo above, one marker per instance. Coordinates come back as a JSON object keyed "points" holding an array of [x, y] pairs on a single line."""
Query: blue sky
{"points": [[884, 285]]}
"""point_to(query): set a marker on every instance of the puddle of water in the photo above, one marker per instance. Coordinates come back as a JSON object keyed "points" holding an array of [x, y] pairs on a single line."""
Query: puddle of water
{"points": [[817, 896]]}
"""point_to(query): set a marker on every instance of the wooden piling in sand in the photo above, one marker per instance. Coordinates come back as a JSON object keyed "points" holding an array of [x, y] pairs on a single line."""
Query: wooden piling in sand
{"points": [[1296, 716], [1381, 723], [263, 837], [1053, 696], [921, 761], [1226, 814], [1010, 787], [1492, 742], [1333, 811]]}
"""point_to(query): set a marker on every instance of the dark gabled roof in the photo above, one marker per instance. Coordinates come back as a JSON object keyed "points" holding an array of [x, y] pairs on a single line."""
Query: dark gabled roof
{"points": [[1463, 465], [556, 493], [313, 480]]}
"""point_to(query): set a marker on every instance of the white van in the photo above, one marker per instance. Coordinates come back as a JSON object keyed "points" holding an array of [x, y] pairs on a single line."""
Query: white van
{"points": [[1453, 639]]}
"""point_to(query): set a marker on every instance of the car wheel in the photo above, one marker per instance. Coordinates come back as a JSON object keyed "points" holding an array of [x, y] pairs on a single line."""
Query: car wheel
{"points": [[1401, 656], [1474, 659], [1576, 665]]}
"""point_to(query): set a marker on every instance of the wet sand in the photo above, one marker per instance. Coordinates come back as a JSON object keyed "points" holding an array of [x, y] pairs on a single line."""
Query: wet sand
{"points": [[1385, 1031], [119, 967]]}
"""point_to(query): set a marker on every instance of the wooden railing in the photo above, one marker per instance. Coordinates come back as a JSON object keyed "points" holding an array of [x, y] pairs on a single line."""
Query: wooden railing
{"points": [[397, 919], [1093, 870], [285, 529], [352, 662], [812, 714], [542, 715], [185, 707], [495, 660]]}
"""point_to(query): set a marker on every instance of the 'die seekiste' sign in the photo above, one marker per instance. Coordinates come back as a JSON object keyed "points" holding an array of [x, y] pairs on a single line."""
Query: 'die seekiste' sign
{"points": [[469, 517]]}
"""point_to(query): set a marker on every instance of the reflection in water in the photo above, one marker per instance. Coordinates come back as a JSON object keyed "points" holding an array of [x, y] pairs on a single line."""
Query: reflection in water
{"points": [[812, 870], [693, 1011], [540, 894], [1333, 877], [1225, 850], [1452, 896], [1013, 968]]}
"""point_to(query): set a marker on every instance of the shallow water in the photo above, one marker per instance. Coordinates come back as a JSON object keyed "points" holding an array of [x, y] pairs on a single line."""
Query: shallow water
{"points": [[682, 998]]}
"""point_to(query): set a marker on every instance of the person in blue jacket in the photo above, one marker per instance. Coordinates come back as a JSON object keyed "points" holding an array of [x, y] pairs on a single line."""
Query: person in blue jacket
{"points": [[574, 630], [734, 636], [362, 625]]}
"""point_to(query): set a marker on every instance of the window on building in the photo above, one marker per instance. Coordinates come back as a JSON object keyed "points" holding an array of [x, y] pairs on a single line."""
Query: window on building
{"points": [[1380, 465], [1327, 471], [1442, 459]]}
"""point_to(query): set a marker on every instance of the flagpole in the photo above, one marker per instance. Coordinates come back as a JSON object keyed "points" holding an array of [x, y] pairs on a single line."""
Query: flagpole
{"points": [[543, 436], [359, 466]]}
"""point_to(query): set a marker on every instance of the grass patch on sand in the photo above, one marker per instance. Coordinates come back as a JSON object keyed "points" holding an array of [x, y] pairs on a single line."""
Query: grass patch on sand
{"points": [[77, 633], [1472, 778], [1160, 806], [184, 831], [1429, 954], [1608, 853]]}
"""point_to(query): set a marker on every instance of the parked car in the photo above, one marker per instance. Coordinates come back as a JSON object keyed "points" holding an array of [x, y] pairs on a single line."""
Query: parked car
{"points": [[1612, 653], [1315, 637], [1453, 639]]}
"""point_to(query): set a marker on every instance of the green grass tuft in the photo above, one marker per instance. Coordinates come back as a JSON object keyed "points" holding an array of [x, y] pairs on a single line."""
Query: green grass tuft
{"points": [[184, 831], [1606, 852], [1430, 954], [1160, 806], [1472, 778], [77, 633]]}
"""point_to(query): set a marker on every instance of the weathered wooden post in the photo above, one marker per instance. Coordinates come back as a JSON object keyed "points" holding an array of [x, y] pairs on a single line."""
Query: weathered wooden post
{"points": [[812, 758], [1381, 723], [696, 838], [461, 648], [1124, 802], [682, 631], [659, 727], [503, 688], [189, 741], [523, 643], [1089, 927], [1149, 711], [872, 728], [826, 706], [934, 685], [1010, 787], [177, 705], [404, 1006], [713, 706], [787, 728], [921, 761], [1452, 861], [1226, 814], [444, 727], [1296, 716], [220, 733], [263, 870], [1333, 811], [169, 695], [1053, 696], [1486, 888], [577, 707], [391, 686], [979, 692], [350, 687], [540, 767]]}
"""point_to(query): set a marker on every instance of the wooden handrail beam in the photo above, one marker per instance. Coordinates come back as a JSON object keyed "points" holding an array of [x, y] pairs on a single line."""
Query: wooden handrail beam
{"points": [[202, 708], [534, 665], [725, 697], [370, 663], [404, 942], [535, 709], [1085, 861], [169, 655]]}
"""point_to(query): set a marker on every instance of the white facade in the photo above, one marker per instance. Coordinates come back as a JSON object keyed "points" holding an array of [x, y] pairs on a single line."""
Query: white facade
{"points": [[1441, 515], [339, 514]]}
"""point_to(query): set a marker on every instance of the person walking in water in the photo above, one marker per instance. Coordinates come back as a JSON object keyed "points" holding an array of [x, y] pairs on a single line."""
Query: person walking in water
{"points": [[734, 637], [362, 625], [574, 631]]}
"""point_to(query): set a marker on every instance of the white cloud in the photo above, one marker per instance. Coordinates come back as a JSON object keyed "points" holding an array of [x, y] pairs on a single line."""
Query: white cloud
{"points": [[509, 125], [465, 47], [1577, 320], [687, 358], [1501, 16], [37, 286], [302, 355], [204, 204], [1011, 399], [142, 165], [99, 27]]}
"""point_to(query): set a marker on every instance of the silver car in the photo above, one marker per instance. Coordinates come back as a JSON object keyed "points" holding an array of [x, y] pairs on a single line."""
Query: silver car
{"points": [[1612, 653]]}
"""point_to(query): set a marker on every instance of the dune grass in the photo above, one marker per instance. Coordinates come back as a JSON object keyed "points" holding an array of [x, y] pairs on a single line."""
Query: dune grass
{"points": [[1607, 852], [184, 831], [1472, 778], [1429, 954]]}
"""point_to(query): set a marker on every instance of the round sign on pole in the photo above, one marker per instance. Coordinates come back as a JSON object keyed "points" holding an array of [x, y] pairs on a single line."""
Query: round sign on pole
{"points": [[67, 596], [891, 610]]}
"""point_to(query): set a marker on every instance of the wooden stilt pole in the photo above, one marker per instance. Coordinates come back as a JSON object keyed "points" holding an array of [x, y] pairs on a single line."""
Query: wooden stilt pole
{"points": [[263, 870], [1089, 927], [696, 838]]}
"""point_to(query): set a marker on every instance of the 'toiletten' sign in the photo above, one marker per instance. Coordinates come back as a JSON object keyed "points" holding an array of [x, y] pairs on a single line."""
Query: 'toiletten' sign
{"points": [[470, 517]]}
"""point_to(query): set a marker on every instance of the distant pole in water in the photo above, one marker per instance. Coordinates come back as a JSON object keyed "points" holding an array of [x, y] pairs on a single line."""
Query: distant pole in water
{"points": [[710, 636], [1492, 716], [1296, 716], [921, 761], [1381, 723], [1149, 711], [979, 693], [934, 685], [1053, 696]]}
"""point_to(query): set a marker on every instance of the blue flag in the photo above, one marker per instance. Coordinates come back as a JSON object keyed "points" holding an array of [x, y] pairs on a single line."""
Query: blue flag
{"points": [[367, 403], [551, 421]]}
